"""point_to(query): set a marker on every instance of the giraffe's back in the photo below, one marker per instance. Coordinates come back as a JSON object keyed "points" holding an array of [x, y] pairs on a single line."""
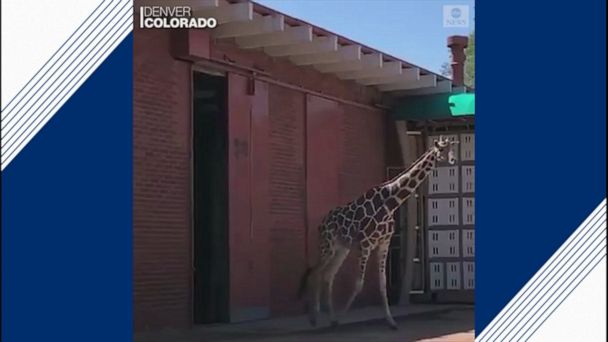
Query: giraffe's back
{"points": [[364, 220]]}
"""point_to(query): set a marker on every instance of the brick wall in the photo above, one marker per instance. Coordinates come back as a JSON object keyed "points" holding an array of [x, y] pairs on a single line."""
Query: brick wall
{"points": [[161, 189], [281, 69], [359, 148], [362, 167], [162, 177], [287, 197]]}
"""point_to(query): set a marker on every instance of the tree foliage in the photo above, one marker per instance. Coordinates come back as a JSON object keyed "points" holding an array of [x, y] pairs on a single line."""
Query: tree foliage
{"points": [[469, 66], [446, 69]]}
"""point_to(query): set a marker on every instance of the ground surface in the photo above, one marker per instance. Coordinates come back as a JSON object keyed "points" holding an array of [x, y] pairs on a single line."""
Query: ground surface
{"points": [[452, 325]]}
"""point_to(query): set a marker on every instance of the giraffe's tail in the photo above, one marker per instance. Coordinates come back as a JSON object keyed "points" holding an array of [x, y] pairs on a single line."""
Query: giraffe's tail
{"points": [[304, 282]]}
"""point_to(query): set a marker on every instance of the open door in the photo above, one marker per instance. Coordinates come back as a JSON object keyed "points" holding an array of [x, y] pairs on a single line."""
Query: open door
{"points": [[231, 198], [249, 204], [210, 195]]}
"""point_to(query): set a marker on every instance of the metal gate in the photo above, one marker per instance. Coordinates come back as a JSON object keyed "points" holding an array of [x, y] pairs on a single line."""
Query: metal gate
{"points": [[449, 206]]}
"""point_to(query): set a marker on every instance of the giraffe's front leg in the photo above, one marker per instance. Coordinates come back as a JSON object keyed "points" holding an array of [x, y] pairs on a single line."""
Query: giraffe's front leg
{"points": [[365, 253], [383, 248]]}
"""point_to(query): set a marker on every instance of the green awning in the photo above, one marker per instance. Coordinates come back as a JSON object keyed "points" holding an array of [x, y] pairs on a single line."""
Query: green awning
{"points": [[462, 104], [439, 106]]}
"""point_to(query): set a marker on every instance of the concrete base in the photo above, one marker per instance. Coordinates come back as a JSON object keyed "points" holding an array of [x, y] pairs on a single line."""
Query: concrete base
{"points": [[249, 314]]}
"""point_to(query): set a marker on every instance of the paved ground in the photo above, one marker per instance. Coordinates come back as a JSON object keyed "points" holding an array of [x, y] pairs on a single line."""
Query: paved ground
{"points": [[445, 325], [452, 326]]}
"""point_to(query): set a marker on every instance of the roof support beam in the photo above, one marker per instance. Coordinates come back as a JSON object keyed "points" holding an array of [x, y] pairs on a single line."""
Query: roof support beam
{"points": [[194, 4], [259, 25], [242, 11], [442, 87], [343, 53], [369, 61], [387, 69], [290, 35], [198, 4], [407, 75], [423, 82], [317, 45]]}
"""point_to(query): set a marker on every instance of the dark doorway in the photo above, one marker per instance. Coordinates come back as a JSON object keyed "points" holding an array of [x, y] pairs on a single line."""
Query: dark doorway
{"points": [[394, 258], [210, 130]]}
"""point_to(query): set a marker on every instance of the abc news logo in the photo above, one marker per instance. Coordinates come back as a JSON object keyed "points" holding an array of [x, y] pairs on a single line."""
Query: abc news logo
{"points": [[456, 16]]}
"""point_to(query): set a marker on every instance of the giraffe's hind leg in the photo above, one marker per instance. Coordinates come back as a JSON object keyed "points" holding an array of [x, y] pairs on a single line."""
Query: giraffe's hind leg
{"points": [[314, 286], [328, 278], [365, 253]]}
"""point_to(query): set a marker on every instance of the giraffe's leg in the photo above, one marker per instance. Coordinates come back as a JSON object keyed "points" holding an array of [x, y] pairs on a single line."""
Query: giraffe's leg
{"points": [[365, 252], [328, 277], [382, 253], [314, 286]]}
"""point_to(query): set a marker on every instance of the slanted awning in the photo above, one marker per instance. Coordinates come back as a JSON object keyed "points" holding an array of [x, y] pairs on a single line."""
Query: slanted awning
{"points": [[437, 106]]}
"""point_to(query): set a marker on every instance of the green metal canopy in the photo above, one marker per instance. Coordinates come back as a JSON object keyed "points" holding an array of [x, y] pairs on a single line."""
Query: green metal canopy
{"points": [[439, 106]]}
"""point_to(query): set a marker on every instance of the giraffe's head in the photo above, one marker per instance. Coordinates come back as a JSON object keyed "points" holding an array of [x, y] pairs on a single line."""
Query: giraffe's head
{"points": [[444, 149]]}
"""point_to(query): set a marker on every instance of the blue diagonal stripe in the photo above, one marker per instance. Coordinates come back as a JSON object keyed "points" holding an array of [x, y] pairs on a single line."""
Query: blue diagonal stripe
{"points": [[12, 153], [545, 297], [53, 94], [53, 56], [541, 289], [538, 280], [600, 259], [22, 113], [9, 113], [598, 251], [561, 270], [59, 77]]}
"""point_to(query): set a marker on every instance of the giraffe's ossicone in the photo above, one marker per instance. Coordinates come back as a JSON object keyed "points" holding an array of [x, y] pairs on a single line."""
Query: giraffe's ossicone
{"points": [[364, 225]]}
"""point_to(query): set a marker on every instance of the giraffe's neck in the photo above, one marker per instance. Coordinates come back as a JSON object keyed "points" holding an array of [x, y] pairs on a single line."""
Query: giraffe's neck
{"points": [[402, 186]]}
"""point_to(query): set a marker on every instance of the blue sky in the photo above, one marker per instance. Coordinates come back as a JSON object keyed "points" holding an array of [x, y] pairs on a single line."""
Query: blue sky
{"points": [[409, 29]]}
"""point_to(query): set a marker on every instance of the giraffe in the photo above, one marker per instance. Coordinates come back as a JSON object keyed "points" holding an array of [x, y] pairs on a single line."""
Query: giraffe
{"points": [[366, 224]]}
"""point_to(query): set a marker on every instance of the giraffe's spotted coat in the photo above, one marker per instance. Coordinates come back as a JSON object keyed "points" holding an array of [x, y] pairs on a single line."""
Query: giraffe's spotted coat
{"points": [[366, 224], [369, 218]]}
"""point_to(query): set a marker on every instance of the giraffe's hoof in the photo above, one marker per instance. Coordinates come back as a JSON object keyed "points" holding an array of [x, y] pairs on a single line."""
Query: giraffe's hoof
{"points": [[334, 324]]}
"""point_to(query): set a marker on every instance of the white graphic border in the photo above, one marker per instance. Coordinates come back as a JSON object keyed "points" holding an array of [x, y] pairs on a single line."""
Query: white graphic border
{"points": [[66, 70], [553, 283], [25, 114]]}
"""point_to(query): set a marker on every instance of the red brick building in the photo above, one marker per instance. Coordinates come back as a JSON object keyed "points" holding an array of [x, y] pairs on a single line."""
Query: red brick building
{"points": [[244, 137]]}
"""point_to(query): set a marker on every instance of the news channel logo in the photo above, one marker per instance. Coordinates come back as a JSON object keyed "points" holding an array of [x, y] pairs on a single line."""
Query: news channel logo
{"points": [[456, 16]]}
